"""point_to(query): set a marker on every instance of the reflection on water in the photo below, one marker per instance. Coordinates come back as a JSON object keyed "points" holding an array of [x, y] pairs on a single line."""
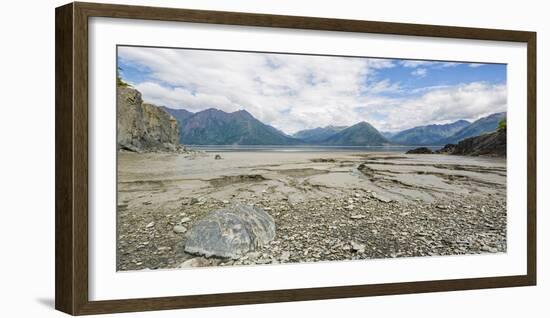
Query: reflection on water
{"points": [[222, 148]]}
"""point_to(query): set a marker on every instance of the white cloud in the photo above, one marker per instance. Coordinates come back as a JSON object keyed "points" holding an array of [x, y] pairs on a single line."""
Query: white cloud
{"points": [[414, 64], [424, 64], [294, 92], [448, 104], [475, 65], [419, 72]]}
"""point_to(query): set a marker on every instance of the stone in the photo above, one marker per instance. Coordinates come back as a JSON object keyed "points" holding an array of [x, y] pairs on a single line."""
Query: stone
{"points": [[150, 225], [195, 262], [357, 247], [380, 198], [230, 232], [253, 255], [180, 229], [185, 220], [357, 216], [217, 157], [285, 256]]}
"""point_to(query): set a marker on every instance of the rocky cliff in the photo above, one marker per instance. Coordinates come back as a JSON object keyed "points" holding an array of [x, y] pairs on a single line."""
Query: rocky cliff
{"points": [[491, 144], [143, 127]]}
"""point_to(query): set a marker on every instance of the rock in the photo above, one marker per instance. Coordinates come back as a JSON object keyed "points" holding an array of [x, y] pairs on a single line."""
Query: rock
{"points": [[420, 150], [285, 256], [180, 229], [253, 255], [447, 149], [195, 262], [381, 198], [185, 220], [357, 216], [490, 144], [489, 249], [150, 225], [143, 127], [217, 157], [357, 247], [193, 201], [230, 232]]}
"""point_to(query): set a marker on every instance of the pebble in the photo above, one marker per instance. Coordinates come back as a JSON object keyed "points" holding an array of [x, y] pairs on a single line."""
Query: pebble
{"points": [[150, 225], [180, 229], [357, 247], [185, 220], [285, 256]]}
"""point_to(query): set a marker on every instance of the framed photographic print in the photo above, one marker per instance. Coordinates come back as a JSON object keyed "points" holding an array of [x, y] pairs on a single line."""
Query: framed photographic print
{"points": [[211, 158]]}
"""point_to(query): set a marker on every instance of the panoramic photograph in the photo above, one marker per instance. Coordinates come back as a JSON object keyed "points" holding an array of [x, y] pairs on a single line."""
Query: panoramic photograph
{"points": [[232, 158]]}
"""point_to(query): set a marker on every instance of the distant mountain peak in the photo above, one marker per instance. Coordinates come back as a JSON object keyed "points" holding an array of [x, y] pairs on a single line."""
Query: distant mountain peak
{"points": [[217, 127], [360, 134], [428, 134], [362, 123], [212, 110], [243, 112], [481, 126], [318, 134]]}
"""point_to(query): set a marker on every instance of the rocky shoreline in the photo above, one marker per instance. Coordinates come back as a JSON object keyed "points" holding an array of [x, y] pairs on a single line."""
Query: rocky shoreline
{"points": [[490, 144], [384, 218], [328, 230]]}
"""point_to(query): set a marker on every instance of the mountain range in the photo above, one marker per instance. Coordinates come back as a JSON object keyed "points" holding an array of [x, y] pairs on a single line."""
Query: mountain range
{"points": [[216, 127], [429, 134], [360, 134], [478, 127], [318, 134]]}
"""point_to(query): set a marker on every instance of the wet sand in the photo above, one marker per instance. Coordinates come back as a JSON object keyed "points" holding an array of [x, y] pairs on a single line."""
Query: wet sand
{"points": [[324, 204]]}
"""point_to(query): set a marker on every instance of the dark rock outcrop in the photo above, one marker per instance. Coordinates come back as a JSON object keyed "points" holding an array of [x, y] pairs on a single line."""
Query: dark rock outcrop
{"points": [[421, 150], [143, 127], [447, 149], [491, 144]]}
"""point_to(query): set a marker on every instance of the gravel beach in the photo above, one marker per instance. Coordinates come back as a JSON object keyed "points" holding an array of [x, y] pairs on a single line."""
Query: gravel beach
{"points": [[327, 206]]}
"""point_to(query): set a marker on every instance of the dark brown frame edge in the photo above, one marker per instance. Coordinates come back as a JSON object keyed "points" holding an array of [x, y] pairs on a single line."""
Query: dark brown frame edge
{"points": [[71, 157]]}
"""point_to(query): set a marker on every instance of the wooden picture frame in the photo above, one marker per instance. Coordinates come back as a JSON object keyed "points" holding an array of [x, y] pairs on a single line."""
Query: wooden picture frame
{"points": [[71, 154]]}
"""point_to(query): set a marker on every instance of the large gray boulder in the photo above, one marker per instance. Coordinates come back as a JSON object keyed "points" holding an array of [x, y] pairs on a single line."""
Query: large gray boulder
{"points": [[230, 232]]}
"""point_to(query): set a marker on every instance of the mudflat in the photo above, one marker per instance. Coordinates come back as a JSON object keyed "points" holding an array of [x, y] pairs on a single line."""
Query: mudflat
{"points": [[327, 206]]}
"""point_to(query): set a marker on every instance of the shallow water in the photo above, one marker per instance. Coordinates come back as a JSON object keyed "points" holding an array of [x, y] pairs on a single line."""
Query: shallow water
{"points": [[254, 148]]}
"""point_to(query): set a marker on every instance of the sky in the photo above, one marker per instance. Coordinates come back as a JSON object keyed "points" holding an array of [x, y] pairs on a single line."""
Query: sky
{"points": [[294, 92]]}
